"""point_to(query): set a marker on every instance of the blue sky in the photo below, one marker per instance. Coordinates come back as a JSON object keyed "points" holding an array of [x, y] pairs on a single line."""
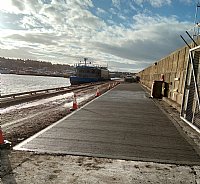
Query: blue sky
{"points": [[128, 35]]}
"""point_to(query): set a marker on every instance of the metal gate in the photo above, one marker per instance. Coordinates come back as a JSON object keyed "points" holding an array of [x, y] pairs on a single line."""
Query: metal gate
{"points": [[190, 110]]}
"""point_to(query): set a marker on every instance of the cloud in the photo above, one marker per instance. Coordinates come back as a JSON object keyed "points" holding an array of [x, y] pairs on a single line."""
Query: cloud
{"points": [[149, 39], [40, 38], [23, 53], [116, 3], [66, 31], [10, 7], [100, 11], [187, 1], [18, 4], [154, 3]]}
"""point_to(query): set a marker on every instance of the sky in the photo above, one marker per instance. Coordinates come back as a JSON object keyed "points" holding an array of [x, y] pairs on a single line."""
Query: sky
{"points": [[126, 35]]}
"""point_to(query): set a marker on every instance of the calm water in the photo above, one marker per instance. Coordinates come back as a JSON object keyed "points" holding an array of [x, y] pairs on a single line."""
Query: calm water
{"points": [[10, 83]]}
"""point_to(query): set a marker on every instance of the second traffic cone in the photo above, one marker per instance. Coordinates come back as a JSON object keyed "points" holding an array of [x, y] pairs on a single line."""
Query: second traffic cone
{"points": [[75, 105], [1, 137], [4, 144], [97, 93]]}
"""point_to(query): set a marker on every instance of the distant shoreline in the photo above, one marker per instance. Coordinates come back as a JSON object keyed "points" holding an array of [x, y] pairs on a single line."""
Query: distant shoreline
{"points": [[43, 75]]}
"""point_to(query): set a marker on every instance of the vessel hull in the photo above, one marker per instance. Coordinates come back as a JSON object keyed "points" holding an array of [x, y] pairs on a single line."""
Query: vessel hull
{"points": [[80, 80]]}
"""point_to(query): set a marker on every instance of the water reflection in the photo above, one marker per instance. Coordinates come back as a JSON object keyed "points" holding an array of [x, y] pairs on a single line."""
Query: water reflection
{"points": [[10, 83]]}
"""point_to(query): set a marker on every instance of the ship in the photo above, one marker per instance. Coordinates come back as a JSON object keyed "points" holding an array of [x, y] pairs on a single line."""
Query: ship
{"points": [[88, 73]]}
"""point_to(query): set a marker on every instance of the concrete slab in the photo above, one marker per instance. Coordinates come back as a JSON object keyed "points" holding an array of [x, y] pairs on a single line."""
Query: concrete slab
{"points": [[123, 123]]}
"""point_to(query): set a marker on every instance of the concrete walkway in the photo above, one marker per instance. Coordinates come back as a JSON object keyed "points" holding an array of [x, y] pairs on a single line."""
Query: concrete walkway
{"points": [[123, 123]]}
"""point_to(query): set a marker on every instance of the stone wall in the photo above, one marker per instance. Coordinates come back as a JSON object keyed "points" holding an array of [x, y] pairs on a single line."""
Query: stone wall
{"points": [[173, 67]]}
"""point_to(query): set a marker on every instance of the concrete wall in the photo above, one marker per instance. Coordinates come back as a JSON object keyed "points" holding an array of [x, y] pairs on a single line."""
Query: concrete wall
{"points": [[173, 67]]}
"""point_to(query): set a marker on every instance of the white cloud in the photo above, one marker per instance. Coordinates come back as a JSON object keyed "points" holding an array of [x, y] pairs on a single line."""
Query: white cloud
{"points": [[20, 6], [100, 11], [116, 3], [154, 3], [8, 6], [187, 1], [66, 31], [150, 38]]}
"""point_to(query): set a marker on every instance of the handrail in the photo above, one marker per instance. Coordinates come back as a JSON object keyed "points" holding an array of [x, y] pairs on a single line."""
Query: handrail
{"points": [[34, 92], [13, 99], [46, 90]]}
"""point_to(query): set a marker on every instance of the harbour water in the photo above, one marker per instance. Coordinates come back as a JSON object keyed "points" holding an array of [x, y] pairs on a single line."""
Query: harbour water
{"points": [[10, 83]]}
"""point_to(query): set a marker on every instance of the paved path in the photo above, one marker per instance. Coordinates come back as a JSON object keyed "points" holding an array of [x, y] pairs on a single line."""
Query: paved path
{"points": [[123, 123]]}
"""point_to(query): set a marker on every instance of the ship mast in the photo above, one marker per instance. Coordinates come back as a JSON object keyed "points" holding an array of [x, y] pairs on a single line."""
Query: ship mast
{"points": [[85, 60]]}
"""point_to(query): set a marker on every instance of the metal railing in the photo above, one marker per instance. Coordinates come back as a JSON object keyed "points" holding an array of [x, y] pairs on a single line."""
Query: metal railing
{"points": [[13, 99], [34, 92], [190, 110]]}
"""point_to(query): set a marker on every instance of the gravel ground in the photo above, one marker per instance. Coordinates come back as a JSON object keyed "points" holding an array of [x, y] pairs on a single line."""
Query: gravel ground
{"points": [[27, 167], [25, 120], [32, 168]]}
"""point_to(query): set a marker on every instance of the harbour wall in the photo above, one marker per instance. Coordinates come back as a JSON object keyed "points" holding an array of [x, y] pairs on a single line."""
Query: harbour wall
{"points": [[173, 69]]}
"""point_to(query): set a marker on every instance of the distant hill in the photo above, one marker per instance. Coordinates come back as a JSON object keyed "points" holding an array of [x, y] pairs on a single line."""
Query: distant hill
{"points": [[19, 64]]}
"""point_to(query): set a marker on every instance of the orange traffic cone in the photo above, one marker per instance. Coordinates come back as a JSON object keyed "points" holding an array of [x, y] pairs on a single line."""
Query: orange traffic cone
{"points": [[1, 137], [97, 93], [4, 144], [75, 105]]}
